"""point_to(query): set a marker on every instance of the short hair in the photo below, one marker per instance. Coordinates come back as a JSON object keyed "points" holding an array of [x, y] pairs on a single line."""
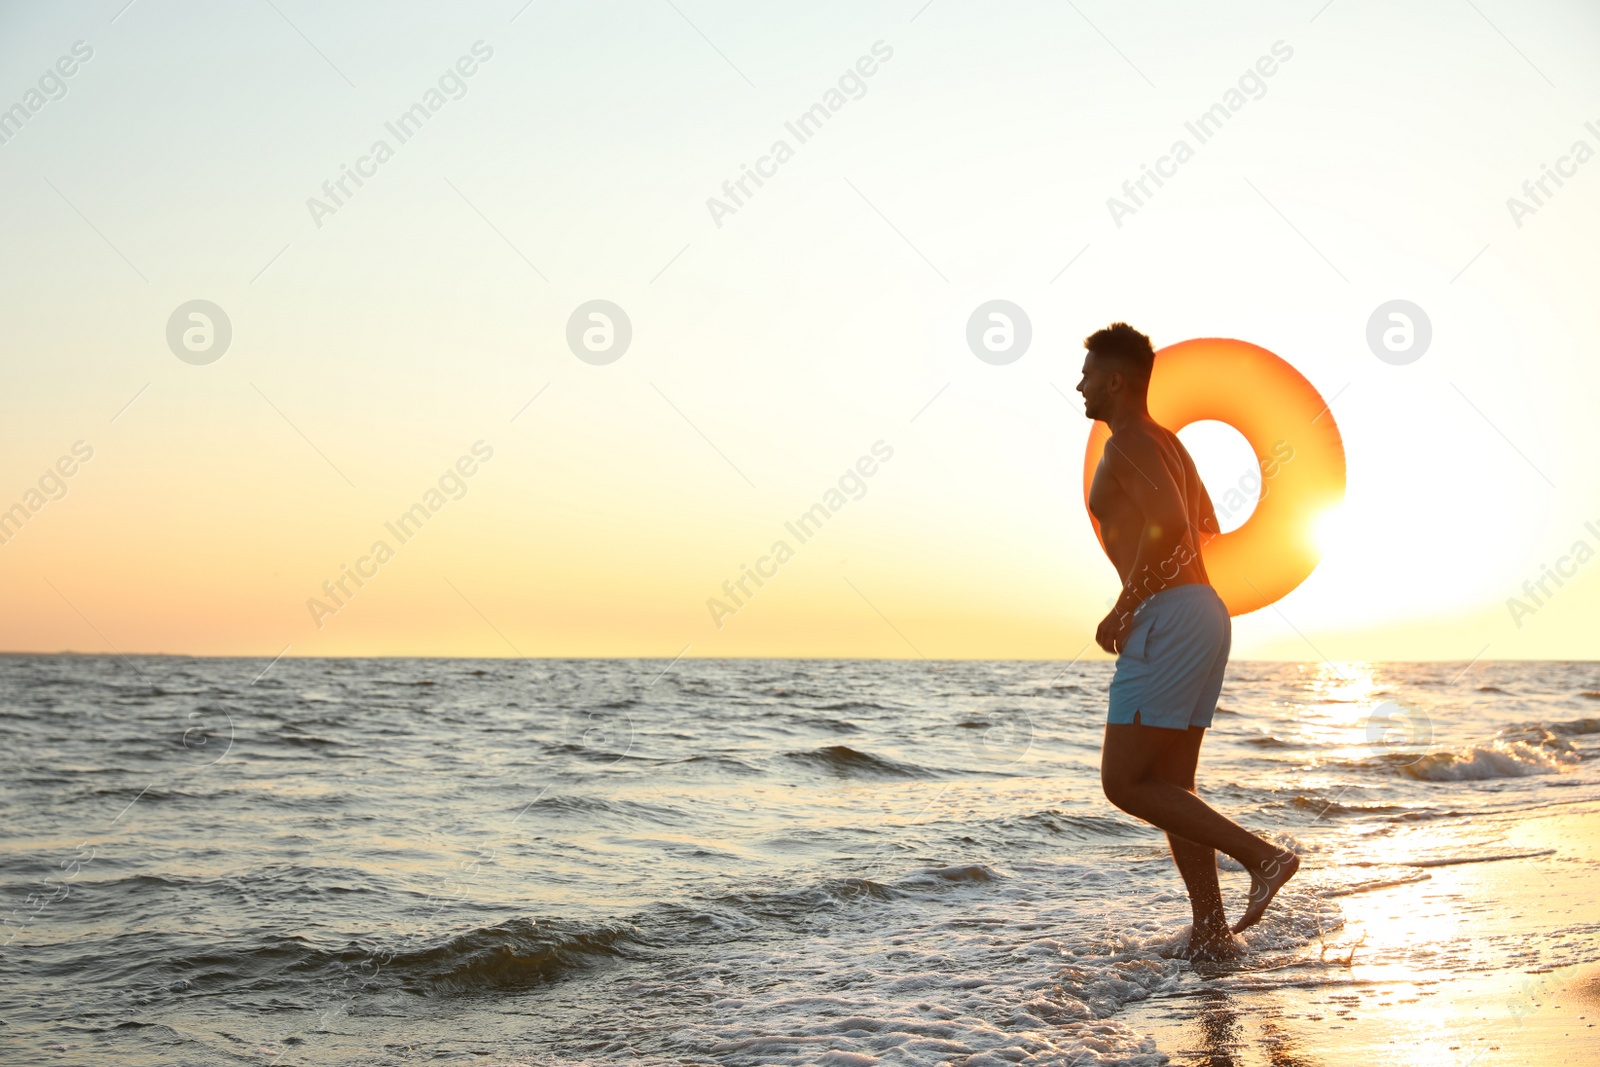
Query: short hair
{"points": [[1127, 346]]}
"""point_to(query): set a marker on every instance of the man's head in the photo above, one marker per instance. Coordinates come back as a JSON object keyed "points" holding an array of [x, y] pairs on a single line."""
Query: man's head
{"points": [[1116, 371]]}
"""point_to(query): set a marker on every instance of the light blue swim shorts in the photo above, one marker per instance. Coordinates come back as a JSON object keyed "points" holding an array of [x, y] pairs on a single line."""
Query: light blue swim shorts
{"points": [[1172, 661]]}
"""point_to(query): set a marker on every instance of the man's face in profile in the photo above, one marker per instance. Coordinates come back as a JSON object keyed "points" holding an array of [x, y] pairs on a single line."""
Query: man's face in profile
{"points": [[1095, 385]]}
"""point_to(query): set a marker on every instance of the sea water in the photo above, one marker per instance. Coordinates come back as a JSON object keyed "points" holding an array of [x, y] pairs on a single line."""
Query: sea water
{"points": [[390, 861]]}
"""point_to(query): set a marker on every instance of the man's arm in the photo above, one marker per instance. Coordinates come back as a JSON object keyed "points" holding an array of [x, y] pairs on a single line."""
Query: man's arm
{"points": [[1209, 526]]}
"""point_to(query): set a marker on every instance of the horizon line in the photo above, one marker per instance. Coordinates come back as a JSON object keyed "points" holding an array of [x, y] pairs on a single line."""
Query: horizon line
{"points": [[819, 659]]}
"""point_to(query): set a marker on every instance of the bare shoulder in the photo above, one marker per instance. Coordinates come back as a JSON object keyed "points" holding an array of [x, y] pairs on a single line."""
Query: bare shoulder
{"points": [[1181, 452], [1142, 452], [1194, 488], [1141, 437]]}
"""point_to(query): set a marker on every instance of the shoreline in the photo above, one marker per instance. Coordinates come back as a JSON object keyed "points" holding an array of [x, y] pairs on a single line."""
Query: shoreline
{"points": [[1503, 988]]}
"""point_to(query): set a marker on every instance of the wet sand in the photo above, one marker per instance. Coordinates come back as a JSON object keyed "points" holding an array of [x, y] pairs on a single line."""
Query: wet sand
{"points": [[1501, 987]]}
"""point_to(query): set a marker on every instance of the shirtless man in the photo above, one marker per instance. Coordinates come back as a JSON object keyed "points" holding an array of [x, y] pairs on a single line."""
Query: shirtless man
{"points": [[1171, 634]]}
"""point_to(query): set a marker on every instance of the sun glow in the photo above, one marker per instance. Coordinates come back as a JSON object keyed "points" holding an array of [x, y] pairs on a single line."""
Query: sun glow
{"points": [[1328, 530]]}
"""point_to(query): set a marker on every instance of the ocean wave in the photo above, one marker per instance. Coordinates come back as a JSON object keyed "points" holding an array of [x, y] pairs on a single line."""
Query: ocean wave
{"points": [[825, 896], [1134, 965], [1424, 814], [1514, 752], [1056, 690], [592, 806], [306, 740], [999, 987], [515, 954], [783, 692], [961, 872], [841, 726], [1574, 726], [1099, 989], [1270, 741], [1500, 758], [844, 760], [1323, 806], [721, 763], [1370, 884], [591, 753], [1079, 827]]}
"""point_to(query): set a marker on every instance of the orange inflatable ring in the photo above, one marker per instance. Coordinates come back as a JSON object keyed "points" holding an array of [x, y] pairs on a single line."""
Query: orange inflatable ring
{"points": [[1296, 443]]}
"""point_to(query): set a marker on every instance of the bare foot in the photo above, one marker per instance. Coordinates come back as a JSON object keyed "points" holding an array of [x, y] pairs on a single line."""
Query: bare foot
{"points": [[1265, 882], [1212, 945]]}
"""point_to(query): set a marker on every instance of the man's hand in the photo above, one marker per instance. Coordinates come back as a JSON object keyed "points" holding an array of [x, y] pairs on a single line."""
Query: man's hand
{"points": [[1113, 629]]}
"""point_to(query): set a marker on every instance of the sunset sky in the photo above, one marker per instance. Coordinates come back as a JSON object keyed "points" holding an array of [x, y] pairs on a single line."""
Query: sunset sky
{"points": [[377, 338]]}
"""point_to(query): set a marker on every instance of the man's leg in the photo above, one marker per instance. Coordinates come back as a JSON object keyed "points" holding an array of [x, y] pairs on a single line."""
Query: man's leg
{"points": [[1128, 764], [1183, 665], [1196, 863]]}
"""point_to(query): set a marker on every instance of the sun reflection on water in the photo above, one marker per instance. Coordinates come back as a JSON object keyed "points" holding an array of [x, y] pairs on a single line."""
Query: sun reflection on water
{"points": [[1337, 702]]}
